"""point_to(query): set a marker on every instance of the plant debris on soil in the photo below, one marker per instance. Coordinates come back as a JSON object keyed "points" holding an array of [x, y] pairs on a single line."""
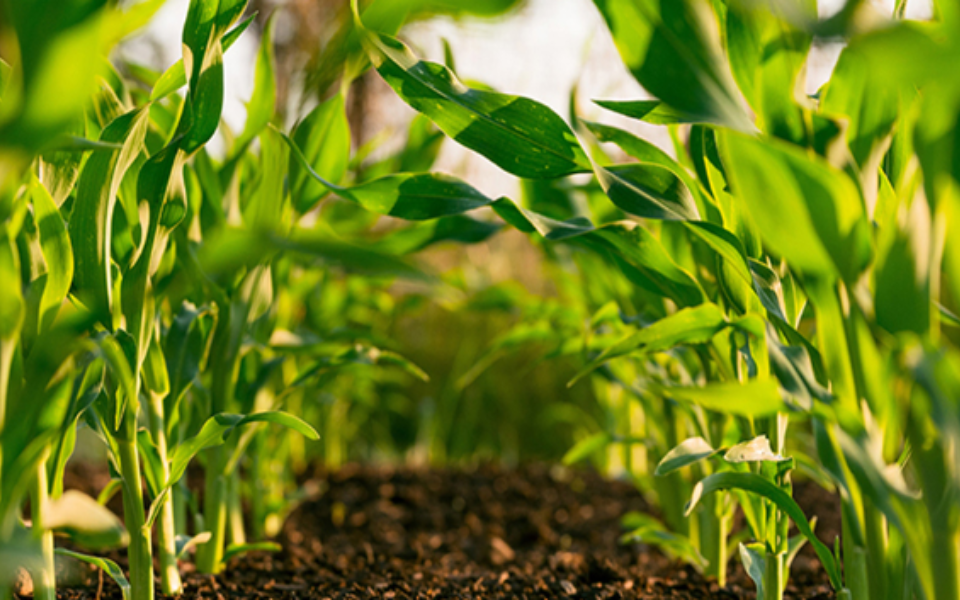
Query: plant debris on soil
{"points": [[534, 532]]}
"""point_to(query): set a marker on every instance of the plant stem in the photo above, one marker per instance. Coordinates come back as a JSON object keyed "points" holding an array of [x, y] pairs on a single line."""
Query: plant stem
{"points": [[875, 528], [139, 552], [166, 534], [44, 579], [944, 558], [774, 580], [210, 554], [854, 560], [7, 348], [236, 531], [714, 529]]}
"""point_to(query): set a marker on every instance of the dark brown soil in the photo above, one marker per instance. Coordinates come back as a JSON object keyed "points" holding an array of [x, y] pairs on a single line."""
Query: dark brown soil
{"points": [[535, 532]]}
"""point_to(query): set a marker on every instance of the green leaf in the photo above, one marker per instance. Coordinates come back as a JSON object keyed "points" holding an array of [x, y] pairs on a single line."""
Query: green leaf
{"points": [[689, 451], [411, 196], [324, 140], [238, 549], [768, 55], [184, 349], [587, 447], [755, 398], [122, 23], [108, 566], [817, 223], [235, 248], [92, 219], [59, 55], [649, 191], [651, 111], [695, 325], [218, 428], [12, 305], [175, 78], [647, 530], [285, 419], [205, 102], [521, 136], [672, 47], [758, 485], [638, 253], [456, 228], [753, 556], [86, 522], [185, 543], [263, 102]]}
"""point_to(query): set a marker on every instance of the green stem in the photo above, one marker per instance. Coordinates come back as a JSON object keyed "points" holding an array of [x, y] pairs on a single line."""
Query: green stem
{"points": [[854, 561], [236, 530], [946, 569], [166, 534], [7, 348], [44, 579], [774, 576], [875, 528], [714, 530], [210, 554], [139, 553]]}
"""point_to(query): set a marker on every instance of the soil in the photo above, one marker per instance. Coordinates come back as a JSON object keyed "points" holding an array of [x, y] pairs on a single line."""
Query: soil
{"points": [[535, 532]]}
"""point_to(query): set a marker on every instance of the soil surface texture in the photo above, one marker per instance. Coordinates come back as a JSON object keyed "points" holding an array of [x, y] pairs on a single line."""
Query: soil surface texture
{"points": [[534, 532]]}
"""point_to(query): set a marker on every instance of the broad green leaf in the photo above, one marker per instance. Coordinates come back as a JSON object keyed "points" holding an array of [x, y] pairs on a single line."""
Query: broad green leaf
{"points": [[645, 529], [205, 102], [59, 169], [753, 557], [86, 522], [12, 305], [639, 255], [92, 219], [521, 136], [758, 485], [235, 248], [238, 549], [218, 428], [651, 111], [411, 196], [755, 398], [265, 209], [756, 450], [689, 451], [263, 103], [688, 326], [456, 228], [122, 23], [673, 48], [58, 52], [324, 140], [285, 419], [870, 108], [587, 447], [817, 222], [213, 433], [175, 78], [768, 55], [184, 348], [57, 253], [649, 191], [184, 544], [109, 567], [902, 278], [118, 362]]}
